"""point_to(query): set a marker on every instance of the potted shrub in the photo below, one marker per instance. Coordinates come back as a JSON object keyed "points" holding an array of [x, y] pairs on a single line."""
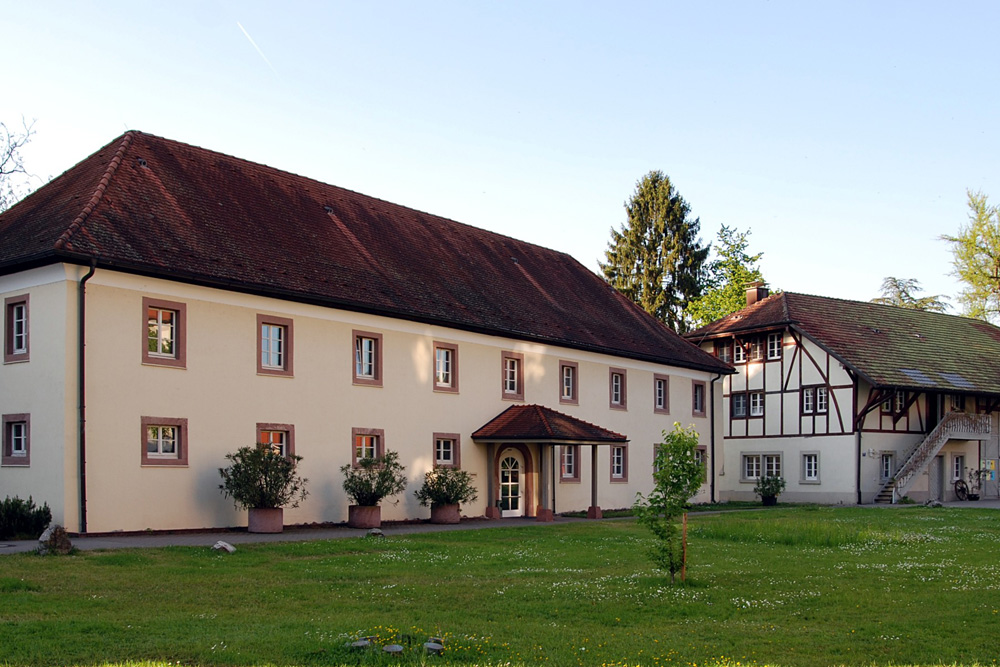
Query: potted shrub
{"points": [[444, 489], [370, 482], [263, 481], [769, 487]]}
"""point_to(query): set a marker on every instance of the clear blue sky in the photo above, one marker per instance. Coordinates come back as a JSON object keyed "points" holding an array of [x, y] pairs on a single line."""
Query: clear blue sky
{"points": [[843, 134]]}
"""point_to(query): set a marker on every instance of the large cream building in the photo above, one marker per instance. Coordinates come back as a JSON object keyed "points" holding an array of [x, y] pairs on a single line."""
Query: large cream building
{"points": [[165, 305]]}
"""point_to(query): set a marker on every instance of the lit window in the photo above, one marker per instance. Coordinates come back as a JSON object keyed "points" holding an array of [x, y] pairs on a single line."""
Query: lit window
{"points": [[568, 382], [16, 329], [513, 380], [16, 440], [617, 388], [738, 405], [164, 441], [661, 393], [164, 343], [774, 346], [445, 367], [756, 404], [274, 345], [368, 358], [810, 467]]}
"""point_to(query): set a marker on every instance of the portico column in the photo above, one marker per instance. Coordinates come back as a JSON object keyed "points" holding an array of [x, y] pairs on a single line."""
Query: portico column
{"points": [[544, 512], [594, 511]]}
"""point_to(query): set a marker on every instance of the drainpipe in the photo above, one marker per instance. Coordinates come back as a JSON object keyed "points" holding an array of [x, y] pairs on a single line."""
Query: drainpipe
{"points": [[82, 391], [858, 424], [711, 437]]}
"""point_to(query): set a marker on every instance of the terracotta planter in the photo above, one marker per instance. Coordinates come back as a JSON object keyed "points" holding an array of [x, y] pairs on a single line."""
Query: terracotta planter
{"points": [[769, 500], [265, 520], [445, 514], [364, 516]]}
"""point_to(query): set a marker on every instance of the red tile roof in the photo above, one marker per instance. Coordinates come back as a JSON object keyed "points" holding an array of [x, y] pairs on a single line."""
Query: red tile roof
{"points": [[152, 206], [888, 346], [536, 423]]}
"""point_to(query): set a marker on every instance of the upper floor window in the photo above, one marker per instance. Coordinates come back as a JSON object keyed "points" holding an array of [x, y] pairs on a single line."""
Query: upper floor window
{"points": [[164, 441], [756, 404], [739, 352], [164, 327], [957, 403], [723, 350], [774, 346], [814, 400], [697, 398], [447, 453], [279, 437], [445, 367], [570, 460], [513, 375], [274, 345], [756, 350], [661, 393], [568, 391], [16, 440], [16, 329], [822, 399], [368, 358], [368, 443], [738, 405], [617, 388]]}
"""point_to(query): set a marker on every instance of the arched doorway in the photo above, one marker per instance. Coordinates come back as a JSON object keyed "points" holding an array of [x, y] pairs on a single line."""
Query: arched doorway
{"points": [[511, 483]]}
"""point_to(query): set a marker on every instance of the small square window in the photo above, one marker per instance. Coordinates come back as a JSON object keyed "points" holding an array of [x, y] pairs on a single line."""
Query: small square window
{"points": [[16, 329], [164, 441], [513, 376], [367, 358], [164, 333], [367, 443], [570, 463], [619, 464], [661, 394], [774, 346], [16, 440], [447, 450], [617, 389], [274, 345], [280, 437], [568, 379], [697, 398], [446, 367]]}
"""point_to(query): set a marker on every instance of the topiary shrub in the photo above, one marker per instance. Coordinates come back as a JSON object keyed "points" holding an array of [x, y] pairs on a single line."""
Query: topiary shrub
{"points": [[21, 519]]}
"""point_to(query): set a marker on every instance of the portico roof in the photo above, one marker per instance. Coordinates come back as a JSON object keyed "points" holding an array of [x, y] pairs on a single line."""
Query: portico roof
{"points": [[539, 424]]}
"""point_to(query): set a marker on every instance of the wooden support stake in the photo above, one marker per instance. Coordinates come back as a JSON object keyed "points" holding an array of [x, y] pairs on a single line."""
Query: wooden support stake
{"points": [[684, 546]]}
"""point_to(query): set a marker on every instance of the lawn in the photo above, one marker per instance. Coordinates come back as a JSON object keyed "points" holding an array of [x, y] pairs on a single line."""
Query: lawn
{"points": [[787, 586]]}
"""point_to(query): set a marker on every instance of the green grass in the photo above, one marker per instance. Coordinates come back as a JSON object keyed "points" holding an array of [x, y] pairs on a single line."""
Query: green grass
{"points": [[788, 586]]}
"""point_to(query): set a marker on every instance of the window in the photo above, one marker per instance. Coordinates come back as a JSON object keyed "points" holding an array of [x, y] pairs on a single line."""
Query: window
{"points": [[368, 358], [886, 466], [15, 347], [568, 381], [810, 467], [274, 345], [164, 441], [756, 404], [513, 376], [368, 443], [957, 403], [617, 389], [723, 350], [619, 463], [772, 465], [570, 460], [738, 405], [756, 350], [808, 400], [164, 324], [958, 467], [446, 367], [16, 440], [280, 437], [900, 401], [697, 398], [751, 466], [774, 346], [699, 458], [895, 403], [739, 352], [447, 450], [661, 393], [822, 399]]}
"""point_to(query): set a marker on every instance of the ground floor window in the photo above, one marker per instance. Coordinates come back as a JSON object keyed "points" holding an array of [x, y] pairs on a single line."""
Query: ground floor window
{"points": [[958, 467], [751, 466], [772, 465], [570, 459], [810, 467], [886, 466], [619, 463]]}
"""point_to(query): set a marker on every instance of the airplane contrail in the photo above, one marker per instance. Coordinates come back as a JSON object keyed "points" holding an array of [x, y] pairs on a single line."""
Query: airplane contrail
{"points": [[256, 47]]}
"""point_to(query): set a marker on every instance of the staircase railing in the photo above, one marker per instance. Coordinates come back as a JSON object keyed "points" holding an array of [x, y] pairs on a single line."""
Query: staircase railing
{"points": [[954, 426]]}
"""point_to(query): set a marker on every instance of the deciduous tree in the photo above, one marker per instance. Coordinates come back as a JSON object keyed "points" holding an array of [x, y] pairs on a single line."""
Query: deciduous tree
{"points": [[726, 278], [12, 162], [901, 292], [656, 258], [976, 258]]}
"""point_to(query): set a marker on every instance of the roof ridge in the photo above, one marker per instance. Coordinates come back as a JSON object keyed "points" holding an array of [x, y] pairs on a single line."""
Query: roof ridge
{"points": [[63, 242], [545, 420]]}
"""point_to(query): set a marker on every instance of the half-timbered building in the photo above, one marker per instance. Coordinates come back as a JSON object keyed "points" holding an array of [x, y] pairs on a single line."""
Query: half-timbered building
{"points": [[854, 402]]}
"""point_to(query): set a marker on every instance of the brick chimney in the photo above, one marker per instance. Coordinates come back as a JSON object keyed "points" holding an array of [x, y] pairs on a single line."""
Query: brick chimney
{"points": [[756, 291]]}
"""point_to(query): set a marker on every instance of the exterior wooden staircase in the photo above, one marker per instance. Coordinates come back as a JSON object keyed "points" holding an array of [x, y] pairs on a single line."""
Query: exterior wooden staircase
{"points": [[954, 426]]}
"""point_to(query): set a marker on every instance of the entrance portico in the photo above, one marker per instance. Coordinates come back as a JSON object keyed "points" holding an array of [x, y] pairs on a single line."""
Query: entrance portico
{"points": [[521, 445]]}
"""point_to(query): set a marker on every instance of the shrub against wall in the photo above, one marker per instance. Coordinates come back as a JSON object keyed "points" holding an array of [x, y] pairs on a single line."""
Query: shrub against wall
{"points": [[22, 518]]}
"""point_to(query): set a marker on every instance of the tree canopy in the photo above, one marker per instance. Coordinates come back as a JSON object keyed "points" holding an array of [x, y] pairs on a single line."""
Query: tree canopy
{"points": [[726, 278], [656, 258], [976, 258], [901, 292], [12, 163]]}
